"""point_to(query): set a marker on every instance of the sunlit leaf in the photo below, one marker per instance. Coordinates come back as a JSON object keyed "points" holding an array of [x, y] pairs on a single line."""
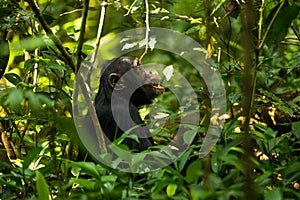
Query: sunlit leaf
{"points": [[33, 154], [168, 72], [87, 47], [88, 167], [152, 43], [128, 46], [171, 189], [160, 115], [85, 183]]}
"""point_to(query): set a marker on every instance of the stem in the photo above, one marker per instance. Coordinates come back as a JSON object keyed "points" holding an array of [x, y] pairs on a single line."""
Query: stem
{"points": [[100, 28], [260, 23], [294, 30], [229, 38], [147, 30], [93, 114], [35, 71], [270, 25], [84, 87], [50, 34], [250, 57], [6, 144], [129, 10], [82, 32]]}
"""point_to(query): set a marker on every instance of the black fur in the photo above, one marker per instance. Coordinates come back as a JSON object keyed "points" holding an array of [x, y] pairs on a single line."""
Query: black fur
{"points": [[112, 79]]}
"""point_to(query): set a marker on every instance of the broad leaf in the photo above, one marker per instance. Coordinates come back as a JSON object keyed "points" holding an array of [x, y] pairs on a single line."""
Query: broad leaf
{"points": [[42, 187], [282, 22]]}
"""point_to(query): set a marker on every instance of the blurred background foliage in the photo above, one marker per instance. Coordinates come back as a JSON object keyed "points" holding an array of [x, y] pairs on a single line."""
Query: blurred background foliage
{"points": [[40, 156]]}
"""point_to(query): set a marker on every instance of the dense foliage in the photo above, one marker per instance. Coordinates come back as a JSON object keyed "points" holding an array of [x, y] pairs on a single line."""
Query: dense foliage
{"points": [[255, 46]]}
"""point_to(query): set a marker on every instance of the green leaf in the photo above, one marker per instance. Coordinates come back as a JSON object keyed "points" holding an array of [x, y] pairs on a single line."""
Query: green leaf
{"points": [[34, 154], [193, 171], [14, 99], [5, 11], [273, 194], [45, 99], [88, 168], [13, 78], [277, 102], [4, 56], [49, 19], [171, 189], [296, 99], [296, 129], [42, 187], [292, 168], [109, 178], [10, 184], [87, 47], [199, 193], [86, 183], [183, 159], [33, 101], [29, 64], [56, 66], [282, 22], [189, 136]]}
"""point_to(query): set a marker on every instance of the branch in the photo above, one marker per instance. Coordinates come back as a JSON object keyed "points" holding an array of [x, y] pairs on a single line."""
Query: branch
{"points": [[93, 114], [91, 108], [270, 25], [131, 7], [260, 21], [10, 153], [147, 30], [50, 34], [250, 60], [82, 32], [295, 31], [100, 27]]}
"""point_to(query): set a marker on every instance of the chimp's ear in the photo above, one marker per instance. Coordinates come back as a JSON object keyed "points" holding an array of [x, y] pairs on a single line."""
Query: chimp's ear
{"points": [[136, 62], [113, 79]]}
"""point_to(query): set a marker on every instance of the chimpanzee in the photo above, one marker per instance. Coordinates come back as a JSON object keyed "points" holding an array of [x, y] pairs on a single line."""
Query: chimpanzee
{"points": [[124, 86]]}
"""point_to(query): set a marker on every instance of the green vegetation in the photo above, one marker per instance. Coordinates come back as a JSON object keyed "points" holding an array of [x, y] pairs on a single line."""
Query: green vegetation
{"points": [[256, 48]]}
